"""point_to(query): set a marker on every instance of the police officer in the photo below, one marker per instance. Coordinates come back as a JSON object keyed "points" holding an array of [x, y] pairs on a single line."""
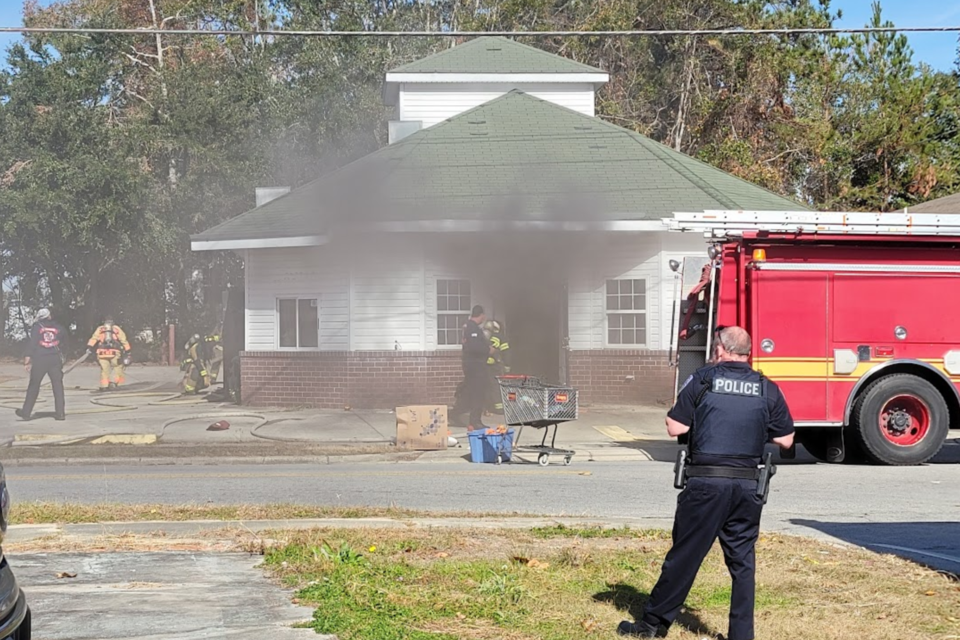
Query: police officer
{"points": [[472, 393], [44, 359], [729, 412]]}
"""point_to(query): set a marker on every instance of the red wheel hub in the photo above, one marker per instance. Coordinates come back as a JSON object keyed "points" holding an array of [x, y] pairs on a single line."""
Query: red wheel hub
{"points": [[905, 420]]}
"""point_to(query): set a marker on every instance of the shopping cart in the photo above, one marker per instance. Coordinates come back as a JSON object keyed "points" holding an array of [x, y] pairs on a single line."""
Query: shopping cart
{"points": [[530, 402]]}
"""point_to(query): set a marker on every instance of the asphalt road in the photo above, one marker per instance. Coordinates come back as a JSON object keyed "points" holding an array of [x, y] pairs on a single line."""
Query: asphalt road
{"points": [[912, 511]]}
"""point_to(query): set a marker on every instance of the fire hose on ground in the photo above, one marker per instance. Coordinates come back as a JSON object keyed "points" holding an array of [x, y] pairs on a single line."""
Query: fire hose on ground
{"points": [[108, 403]]}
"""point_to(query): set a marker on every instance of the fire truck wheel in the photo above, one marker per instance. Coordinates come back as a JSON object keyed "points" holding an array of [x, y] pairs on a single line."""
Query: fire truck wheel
{"points": [[901, 419]]}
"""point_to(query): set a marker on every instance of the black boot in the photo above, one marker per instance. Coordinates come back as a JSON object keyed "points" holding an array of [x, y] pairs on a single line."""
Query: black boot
{"points": [[20, 414], [639, 629], [60, 417]]}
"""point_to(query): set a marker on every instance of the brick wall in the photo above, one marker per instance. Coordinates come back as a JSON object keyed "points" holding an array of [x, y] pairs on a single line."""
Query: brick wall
{"points": [[621, 376], [388, 379], [363, 379]]}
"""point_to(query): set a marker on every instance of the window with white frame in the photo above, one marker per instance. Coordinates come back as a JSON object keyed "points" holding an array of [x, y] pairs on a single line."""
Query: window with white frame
{"points": [[453, 310], [627, 312], [298, 321]]}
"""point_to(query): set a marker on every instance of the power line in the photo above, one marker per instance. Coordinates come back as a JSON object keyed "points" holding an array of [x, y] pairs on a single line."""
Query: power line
{"points": [[454, 34]]}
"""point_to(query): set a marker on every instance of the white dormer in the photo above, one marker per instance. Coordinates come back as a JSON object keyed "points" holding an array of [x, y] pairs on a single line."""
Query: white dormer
{"points": [[448, 83]]}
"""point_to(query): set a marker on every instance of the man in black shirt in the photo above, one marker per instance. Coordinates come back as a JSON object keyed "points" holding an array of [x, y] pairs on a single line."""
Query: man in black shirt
{"points": [[729, 412], [476, 350], [43, 358]]}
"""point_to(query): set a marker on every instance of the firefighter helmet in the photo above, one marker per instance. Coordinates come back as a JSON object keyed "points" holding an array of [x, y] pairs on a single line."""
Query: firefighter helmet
{"points": [[491, 326]]}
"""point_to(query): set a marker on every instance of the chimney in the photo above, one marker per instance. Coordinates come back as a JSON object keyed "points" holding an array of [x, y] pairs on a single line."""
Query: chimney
{"points": [[266, 194]]}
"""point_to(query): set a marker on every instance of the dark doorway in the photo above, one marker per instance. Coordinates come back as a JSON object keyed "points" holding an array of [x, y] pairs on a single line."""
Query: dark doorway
{"points": [[533, 319], [530, 298]]}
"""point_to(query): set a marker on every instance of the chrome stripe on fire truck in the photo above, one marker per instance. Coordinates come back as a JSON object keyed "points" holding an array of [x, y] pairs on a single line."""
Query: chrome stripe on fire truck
{"points": [[815, 423], [854, 268]]}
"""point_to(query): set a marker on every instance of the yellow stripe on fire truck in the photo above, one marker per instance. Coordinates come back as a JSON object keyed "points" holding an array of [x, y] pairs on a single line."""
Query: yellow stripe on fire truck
{"points": [[821, 369]]}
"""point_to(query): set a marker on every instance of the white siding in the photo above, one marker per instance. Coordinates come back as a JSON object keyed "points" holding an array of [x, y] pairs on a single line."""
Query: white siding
{"points": [[626, 256], [433, 103], [308, 272], [388, 288], [386, 295]]}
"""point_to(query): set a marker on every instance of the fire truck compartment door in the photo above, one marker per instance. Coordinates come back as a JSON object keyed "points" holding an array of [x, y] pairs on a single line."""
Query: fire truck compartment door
{"points": [[789, 319], [868, 308]]}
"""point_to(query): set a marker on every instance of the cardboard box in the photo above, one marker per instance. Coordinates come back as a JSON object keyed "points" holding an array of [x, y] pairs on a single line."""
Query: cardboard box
{"points": [[422, 428]]}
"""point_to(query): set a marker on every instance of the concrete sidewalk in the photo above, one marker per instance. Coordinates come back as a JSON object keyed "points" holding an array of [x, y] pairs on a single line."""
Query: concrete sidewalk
{"points": [[149, 411]]}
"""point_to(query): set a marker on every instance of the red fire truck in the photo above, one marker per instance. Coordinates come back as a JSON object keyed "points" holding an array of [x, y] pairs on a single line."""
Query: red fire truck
{"points": [[856, 316]]}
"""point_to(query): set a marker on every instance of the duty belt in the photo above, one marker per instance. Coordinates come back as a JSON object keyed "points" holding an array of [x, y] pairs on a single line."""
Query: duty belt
{"points": [[704, 471], [683, 470]]}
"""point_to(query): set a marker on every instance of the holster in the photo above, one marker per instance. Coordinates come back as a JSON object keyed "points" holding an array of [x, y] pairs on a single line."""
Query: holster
{"points": [[767, 471], [680, 470]]}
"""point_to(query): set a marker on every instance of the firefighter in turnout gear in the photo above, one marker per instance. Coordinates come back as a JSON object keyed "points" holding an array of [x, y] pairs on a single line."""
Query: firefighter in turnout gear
{"points": [[195, 376], [498, 363], [729, 412], [201, 364], [113, 353], [212, 353]]}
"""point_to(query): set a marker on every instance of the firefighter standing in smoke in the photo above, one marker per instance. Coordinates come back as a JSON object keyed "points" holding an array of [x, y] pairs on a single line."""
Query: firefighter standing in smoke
{"points": [[113, 353], [498, 363], [44, 358], [202, 362]]}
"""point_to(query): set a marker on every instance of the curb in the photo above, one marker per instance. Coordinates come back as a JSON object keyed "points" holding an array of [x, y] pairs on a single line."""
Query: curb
{"points": [[51, 439], [126, 451], [203, 461]]}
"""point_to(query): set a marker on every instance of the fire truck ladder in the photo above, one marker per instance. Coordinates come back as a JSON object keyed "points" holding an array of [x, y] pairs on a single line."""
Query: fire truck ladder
{"points": [[725, 224]]}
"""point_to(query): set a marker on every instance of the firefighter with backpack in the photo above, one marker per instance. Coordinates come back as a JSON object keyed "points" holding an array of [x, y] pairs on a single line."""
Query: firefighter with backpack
{"points": [[201, 363], [113, 353]]}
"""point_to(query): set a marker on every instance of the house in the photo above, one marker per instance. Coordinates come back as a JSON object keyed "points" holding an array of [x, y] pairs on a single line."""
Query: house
{"points": [[499, 187], [946, 204]]}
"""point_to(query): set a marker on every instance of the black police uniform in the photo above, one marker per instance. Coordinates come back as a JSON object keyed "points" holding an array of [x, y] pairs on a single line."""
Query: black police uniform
{"points": [[45, 360], [733, 412], [476, 348]]}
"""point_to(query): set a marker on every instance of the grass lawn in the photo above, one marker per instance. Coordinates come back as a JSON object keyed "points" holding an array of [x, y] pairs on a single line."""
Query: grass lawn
{"points": [[554, 583], [563, 583]]}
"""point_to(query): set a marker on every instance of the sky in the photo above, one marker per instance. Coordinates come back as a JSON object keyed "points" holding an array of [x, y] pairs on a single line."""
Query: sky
{"points": [[939, 50]]}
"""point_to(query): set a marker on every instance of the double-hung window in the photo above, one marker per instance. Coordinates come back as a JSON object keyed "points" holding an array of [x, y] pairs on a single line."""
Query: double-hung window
{"points": [[298, 320], [626, 312], [453, 310]]}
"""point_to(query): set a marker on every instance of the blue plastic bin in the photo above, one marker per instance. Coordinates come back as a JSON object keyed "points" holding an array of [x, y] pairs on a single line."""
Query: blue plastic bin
{"points": [[484, 447]]}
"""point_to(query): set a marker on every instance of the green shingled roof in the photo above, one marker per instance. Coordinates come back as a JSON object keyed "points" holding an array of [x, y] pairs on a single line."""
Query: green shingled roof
{"points": [[513, 158], [494, 55]]}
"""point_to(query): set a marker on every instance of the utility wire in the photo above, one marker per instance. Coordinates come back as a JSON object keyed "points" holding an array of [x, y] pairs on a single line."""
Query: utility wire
{"points": [[454, 34]]}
